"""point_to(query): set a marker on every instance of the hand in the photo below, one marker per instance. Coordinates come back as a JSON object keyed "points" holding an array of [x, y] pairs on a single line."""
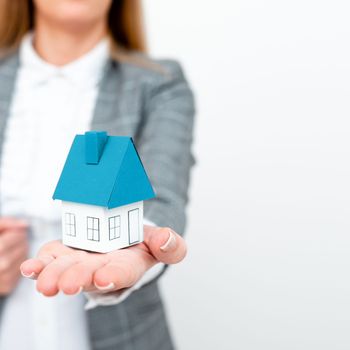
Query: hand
{"points": [[13, 251], [60, 268]]}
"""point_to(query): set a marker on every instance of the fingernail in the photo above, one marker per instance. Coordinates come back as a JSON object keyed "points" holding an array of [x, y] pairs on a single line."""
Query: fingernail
{"points": [[78, 291], [107, 287], [32, 275], [170, 243]]}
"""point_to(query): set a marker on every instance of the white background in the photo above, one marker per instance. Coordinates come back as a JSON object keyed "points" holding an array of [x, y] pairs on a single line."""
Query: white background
{"points": [[268, 233]]}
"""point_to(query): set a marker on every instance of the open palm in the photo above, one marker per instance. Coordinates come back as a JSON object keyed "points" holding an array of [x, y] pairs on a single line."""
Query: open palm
{"points": [[61, 268]]}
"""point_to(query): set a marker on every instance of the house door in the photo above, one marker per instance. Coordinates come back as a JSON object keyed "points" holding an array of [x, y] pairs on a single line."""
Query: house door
{"points": [[134, 234]]}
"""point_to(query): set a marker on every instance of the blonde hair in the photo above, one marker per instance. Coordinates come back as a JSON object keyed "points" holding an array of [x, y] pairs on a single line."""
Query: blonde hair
{"points": [[125, 23]]}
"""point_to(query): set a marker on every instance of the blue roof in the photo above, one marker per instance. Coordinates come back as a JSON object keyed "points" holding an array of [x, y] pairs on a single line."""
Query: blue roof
{"points": [[103, 170]]}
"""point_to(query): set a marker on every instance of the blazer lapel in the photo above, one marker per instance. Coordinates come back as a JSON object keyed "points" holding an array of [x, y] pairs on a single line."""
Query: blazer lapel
{"points": [[8, 73]]}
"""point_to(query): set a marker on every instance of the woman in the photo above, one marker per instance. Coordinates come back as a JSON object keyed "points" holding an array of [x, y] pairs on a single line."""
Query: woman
{"points": [[67, 66]]}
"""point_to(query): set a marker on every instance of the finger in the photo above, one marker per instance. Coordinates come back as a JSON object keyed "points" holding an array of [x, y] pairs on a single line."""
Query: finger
{"points": [[165, 244], [10, 239], [80, 276], [124, 269], [9, 222], [31, 268], [114, 276], [16, 255], [47, 282]]}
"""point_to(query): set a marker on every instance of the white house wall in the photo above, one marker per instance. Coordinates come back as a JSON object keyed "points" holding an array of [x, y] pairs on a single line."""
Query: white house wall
{"points": [[82, 211]]}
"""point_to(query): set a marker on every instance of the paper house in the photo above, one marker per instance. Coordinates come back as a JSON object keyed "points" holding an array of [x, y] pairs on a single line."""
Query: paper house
{"points": [[102, 187]]}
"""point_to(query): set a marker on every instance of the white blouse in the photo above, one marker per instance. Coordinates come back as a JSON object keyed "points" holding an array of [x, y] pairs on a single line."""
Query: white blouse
{"points": [[50, 105]]}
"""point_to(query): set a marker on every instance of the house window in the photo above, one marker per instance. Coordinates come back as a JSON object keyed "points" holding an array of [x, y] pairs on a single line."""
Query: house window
{"points": [[69, 222], [93, 229], [114, 227]]}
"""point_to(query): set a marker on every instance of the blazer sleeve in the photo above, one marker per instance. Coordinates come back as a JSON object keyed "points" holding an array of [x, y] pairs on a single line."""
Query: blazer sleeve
{"points": [[164, 143]]}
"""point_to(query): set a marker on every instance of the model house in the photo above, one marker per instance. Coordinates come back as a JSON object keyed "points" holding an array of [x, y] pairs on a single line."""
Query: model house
{"points": [[102, 188]]}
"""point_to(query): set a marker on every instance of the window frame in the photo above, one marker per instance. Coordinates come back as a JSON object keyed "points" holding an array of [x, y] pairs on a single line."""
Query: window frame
{"points": [[70, 224], [93, 230], [113, 227]]}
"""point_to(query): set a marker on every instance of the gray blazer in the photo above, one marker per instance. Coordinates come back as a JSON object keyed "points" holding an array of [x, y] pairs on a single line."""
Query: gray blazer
{"points": [[156, 108]]}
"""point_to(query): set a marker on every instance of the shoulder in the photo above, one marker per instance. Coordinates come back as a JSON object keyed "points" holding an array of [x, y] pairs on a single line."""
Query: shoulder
{"points": [[150, 70], [158, 81], [8, 54], [9, 62]]}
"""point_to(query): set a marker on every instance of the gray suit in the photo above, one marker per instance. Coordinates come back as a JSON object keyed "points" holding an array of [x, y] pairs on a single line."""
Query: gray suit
{"points": [[155, 107]]}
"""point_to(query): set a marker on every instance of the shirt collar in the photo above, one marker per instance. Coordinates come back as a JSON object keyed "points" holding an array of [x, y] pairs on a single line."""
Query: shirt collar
{"points": [[84, 72]]}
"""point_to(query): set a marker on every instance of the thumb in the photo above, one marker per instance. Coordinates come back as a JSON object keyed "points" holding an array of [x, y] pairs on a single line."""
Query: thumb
{"points": [[165, 244]]}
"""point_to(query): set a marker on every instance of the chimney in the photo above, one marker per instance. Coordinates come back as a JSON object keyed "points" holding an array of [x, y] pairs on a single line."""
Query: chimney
{"points": [[94, 145]]}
